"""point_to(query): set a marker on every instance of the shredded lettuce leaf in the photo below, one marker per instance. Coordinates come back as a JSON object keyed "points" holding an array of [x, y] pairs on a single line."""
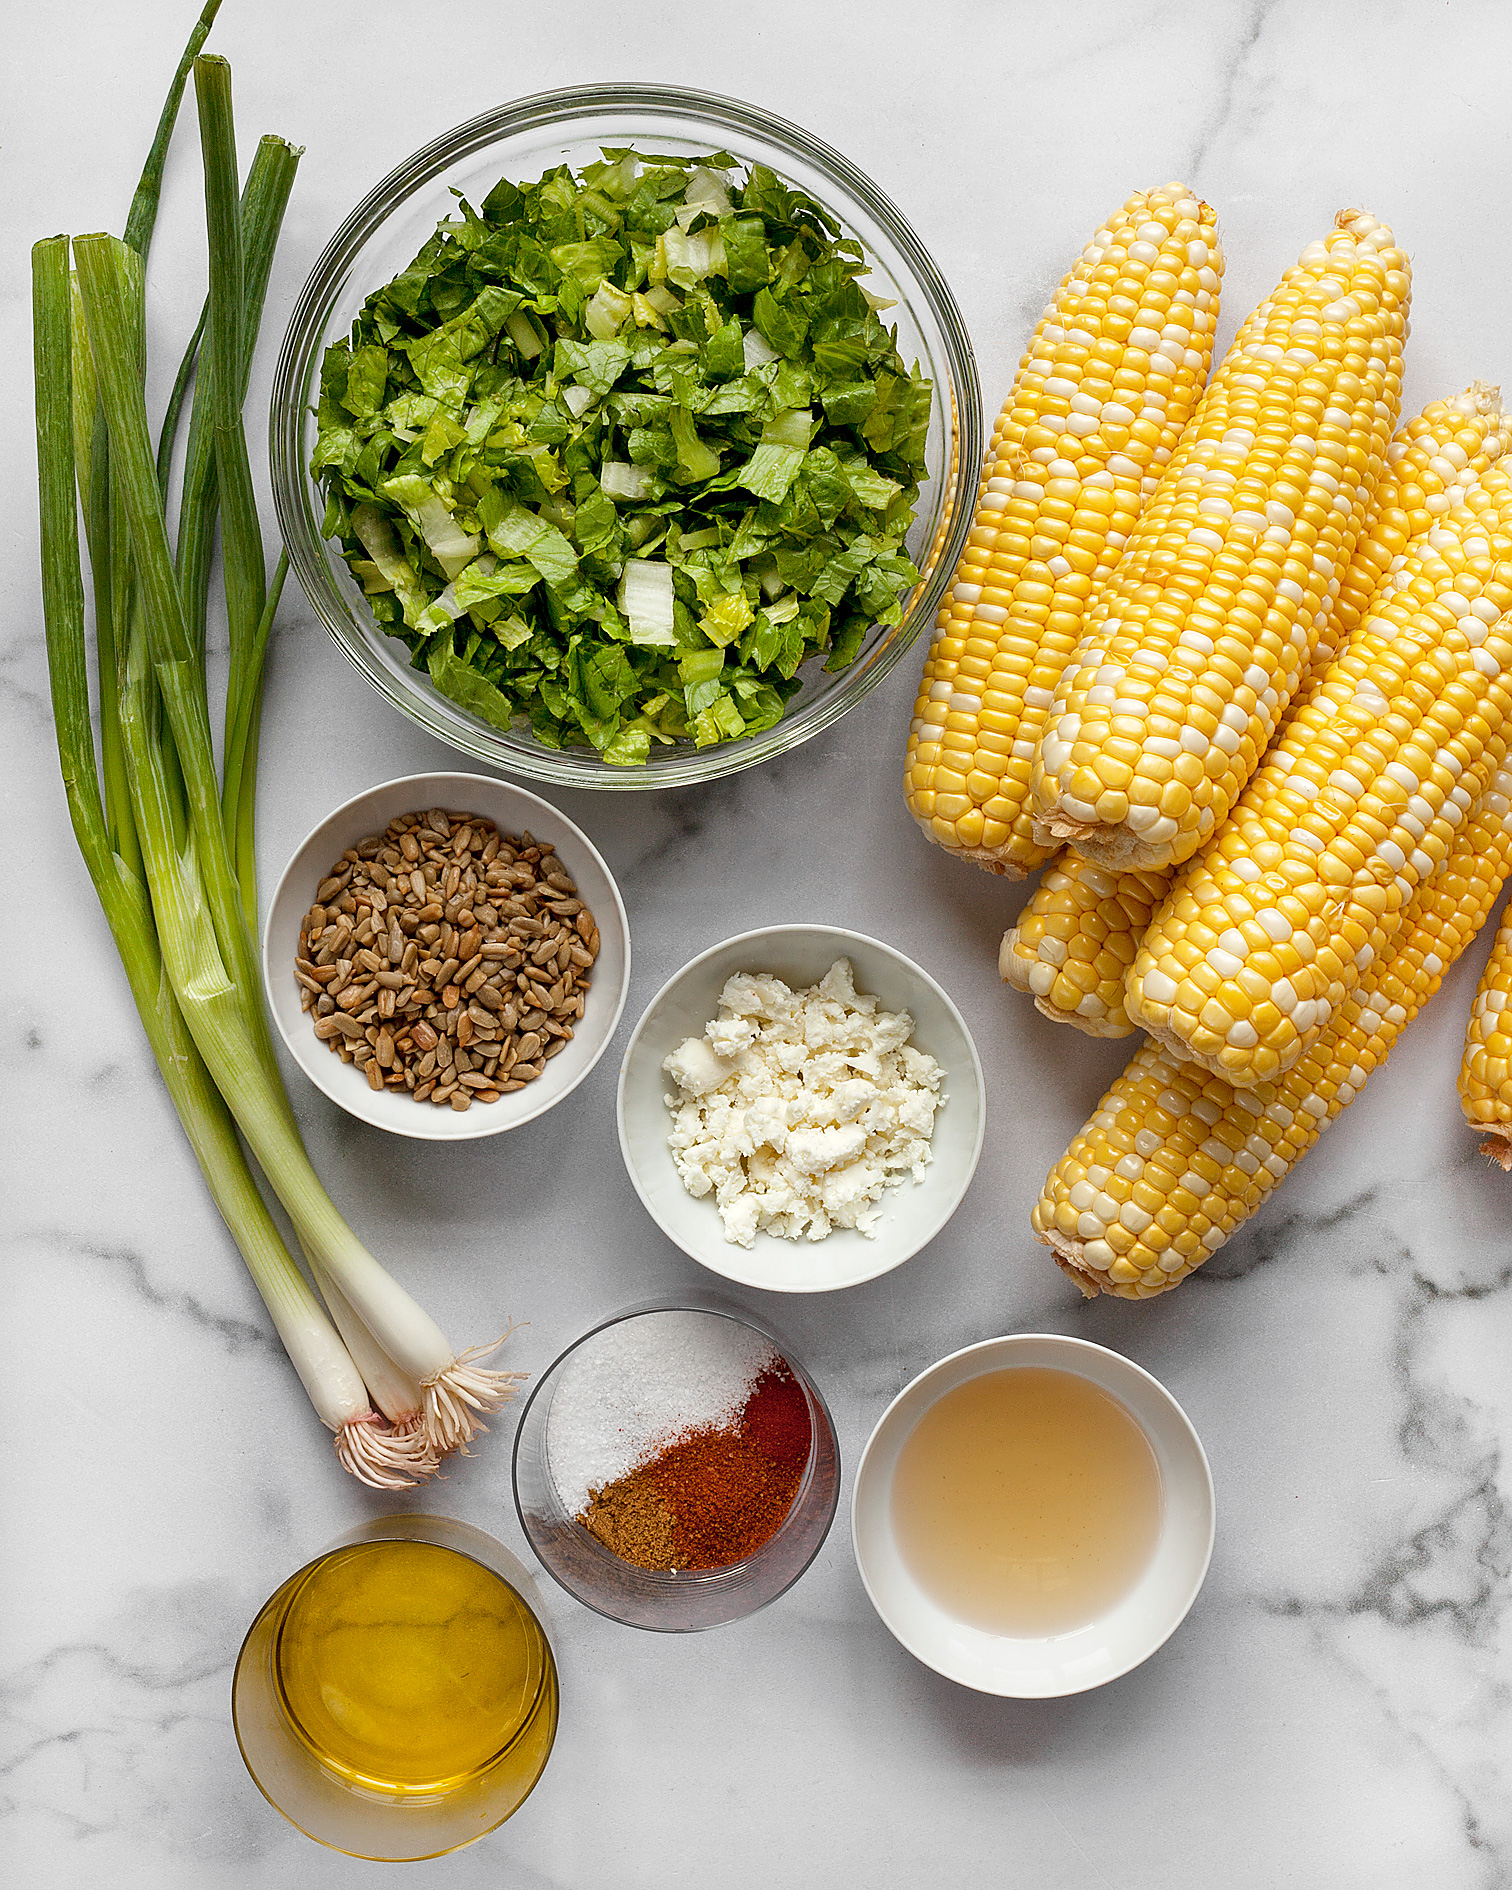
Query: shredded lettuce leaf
{"points": [[622, 450]]}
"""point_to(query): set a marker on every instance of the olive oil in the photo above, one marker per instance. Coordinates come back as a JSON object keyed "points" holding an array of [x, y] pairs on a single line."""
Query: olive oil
{"points": [[1026, 1501], [407, 1668]]}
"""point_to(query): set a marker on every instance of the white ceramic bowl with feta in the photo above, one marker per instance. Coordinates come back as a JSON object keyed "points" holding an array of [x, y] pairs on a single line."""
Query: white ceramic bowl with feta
{"points": [[862, 1107]]}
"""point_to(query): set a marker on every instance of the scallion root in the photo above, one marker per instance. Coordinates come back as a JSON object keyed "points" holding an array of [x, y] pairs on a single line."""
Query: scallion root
{"points": [[458, 1397], [386, 1456]]}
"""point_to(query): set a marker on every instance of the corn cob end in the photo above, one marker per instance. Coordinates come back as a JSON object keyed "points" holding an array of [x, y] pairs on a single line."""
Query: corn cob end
{"points": [[1115, 849], [984, 857], [1019, 966], [1498, 1146], [1068, 1258], [1215, 1062]]}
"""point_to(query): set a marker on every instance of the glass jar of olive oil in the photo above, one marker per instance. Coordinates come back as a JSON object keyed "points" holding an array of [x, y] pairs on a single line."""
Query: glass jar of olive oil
{"points": [[397, 1697]]}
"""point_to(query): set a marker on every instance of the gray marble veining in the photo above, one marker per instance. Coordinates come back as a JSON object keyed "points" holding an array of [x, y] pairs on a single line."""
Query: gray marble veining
{"points": [[1337, 1710]]}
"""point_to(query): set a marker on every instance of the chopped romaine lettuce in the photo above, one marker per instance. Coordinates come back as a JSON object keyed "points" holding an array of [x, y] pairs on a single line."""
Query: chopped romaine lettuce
{"points": [[620, 452], [647, 598]]}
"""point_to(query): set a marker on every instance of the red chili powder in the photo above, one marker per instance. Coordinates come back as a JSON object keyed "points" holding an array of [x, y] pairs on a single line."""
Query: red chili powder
{"points": [[776, 1419]]}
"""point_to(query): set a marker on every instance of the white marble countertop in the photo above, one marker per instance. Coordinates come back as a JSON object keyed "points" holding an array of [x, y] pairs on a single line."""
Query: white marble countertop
{"points": [[1336, 1708]]}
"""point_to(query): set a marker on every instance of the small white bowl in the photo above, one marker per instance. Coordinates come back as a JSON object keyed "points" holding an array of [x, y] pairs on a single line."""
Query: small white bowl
{"points": [[1054, 1665], [512, 810], [911, 1214]]}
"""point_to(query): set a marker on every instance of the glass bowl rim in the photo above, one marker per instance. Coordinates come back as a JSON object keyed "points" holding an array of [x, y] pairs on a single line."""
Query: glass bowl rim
{"points": [[957, 399], [674, 1582]]}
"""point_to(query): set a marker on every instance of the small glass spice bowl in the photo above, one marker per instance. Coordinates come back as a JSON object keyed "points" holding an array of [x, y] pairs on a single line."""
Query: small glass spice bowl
{"points": [[679, 1601]]}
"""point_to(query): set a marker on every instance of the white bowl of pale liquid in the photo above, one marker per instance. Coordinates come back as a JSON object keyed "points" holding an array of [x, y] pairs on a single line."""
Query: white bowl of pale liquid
{"points": [[1049, 1651]]}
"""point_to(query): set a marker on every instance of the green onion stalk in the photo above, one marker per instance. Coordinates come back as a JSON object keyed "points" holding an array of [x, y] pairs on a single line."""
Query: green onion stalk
{"points": [[168, 843]]}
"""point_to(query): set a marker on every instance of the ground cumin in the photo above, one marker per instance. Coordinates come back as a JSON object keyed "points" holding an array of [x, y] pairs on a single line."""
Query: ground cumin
{"points": [[713, 1495], [634, 1519]]}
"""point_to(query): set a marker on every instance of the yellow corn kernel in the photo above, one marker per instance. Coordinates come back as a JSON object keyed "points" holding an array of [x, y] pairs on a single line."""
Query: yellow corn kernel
{"points": [[1214, 1152], [1075, 941], [1200, 638], [1485, 1078], [1053, 957], [1110, 378], [1358, 803]]}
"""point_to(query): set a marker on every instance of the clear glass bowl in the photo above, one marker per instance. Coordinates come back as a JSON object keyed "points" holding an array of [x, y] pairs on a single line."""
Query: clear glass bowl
{"points": [[394, 1825], [521, 141], [677, 1601]]}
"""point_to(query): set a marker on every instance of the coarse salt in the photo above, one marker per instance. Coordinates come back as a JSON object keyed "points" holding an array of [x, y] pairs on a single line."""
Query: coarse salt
{"points": [[627, 1393]]}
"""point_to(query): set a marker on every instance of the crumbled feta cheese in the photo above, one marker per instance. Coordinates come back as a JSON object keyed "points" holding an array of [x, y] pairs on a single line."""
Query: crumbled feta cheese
{"points": [[796, 1110], [728, 1036], [766, 1124], [816, 1151], [695, 1067]]}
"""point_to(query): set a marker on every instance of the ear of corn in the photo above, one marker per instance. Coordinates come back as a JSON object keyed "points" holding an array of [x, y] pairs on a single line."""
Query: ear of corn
{"points": [[1263, 935], [1194, 648], [1175, 1158], [1075, 942], [1110, 379], [1485, 1078], [1078, 936]]}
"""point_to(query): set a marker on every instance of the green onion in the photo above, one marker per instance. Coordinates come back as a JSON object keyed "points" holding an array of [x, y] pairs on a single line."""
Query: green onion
{"points": [[168, 844], [324, 1366]]}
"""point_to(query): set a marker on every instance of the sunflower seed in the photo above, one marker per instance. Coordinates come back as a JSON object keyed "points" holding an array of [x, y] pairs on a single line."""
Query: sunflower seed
{"points": [[441, 934]]}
